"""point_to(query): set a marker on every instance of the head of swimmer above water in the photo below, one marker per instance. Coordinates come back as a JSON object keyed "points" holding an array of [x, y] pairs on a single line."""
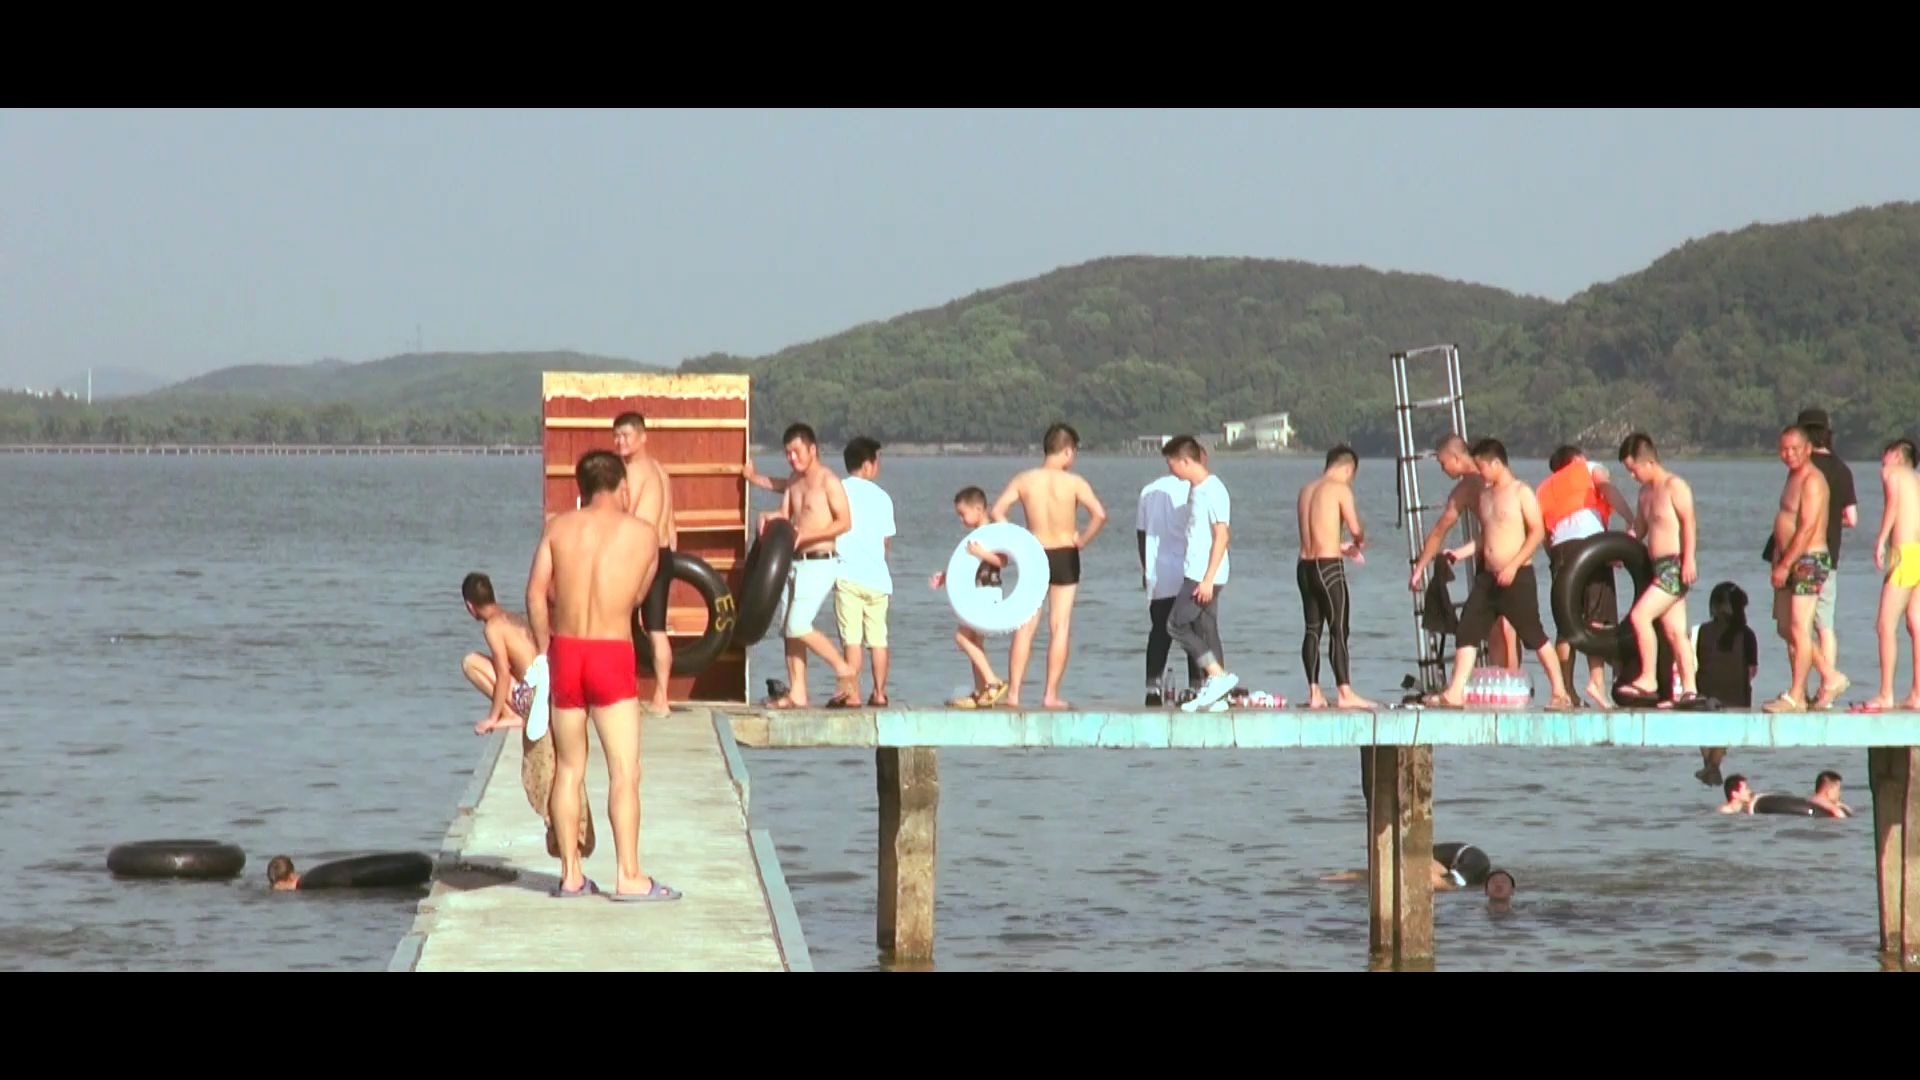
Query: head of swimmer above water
{"points": [[1500, 886], [1826, 786], [1737, 790], [281, 875]]}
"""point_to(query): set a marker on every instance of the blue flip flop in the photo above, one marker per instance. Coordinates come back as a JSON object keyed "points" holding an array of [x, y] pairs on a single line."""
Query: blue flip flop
{"points": [[588, 889], [660, 893]]}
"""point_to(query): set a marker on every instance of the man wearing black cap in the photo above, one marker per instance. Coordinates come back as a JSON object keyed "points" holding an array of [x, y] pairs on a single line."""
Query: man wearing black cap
{"points": [[1843, 512]]}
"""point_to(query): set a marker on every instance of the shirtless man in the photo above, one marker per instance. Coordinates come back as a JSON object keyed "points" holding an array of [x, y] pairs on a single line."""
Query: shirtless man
{"points": [[814, 501], [510, 652], [1740, 795], [1511, 532], [1457, 463], [1800, 567], [1664, 520], [1826, 794], [1325, 506], [650, 491], [1896, 554], [1051, 496], [595, 563]]}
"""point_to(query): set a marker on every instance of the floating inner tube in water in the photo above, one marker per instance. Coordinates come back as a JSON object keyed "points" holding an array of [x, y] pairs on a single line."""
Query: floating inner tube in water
{"points": [[208, 860], [1789, 804], [1590, 558], [387, 870], [762, 581], [693, 658], [984, 607]]}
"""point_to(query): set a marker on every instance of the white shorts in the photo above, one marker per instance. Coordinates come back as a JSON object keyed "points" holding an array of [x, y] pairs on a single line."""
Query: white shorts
{"points": [[808, 586]]}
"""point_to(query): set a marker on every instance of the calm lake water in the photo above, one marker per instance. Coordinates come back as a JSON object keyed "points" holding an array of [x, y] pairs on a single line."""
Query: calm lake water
{"points": [[266, 651]]}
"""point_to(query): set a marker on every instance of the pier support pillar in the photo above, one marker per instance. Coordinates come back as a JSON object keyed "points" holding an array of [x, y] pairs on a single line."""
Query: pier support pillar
{"points": [[908, 779], [1398, 781], [1892, 772]]}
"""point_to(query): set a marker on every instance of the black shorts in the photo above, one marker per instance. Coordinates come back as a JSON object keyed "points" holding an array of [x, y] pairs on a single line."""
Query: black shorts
{"points": [[1063, 566], [1599, 604], [1518, 603], [653, 610]]}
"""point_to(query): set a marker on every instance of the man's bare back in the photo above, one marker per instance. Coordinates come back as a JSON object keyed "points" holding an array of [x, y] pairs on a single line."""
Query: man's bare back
{"points": [[509, 633], [1051, 500], [602, 561], [1903, 503], [1325, 505]]}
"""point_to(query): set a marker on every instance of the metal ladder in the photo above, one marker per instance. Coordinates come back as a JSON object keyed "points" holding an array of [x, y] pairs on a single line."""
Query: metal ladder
{"points": [[1433, 662]]}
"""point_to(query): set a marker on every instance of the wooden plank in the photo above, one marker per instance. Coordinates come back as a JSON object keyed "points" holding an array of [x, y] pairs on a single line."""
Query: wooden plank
{"points": [[1246, 729], [661, 423], [694, 835], [672, 470], [908, 780], [1413, 856], [1888, 778]]}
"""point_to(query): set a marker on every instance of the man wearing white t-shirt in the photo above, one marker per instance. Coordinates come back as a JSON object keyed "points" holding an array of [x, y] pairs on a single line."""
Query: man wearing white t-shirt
{"points": [[1194, 621], [1160, 530], [865, 587]]}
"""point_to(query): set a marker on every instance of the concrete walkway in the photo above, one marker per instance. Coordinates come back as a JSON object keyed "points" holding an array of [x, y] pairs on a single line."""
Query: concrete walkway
{"points": [[489, 908]]}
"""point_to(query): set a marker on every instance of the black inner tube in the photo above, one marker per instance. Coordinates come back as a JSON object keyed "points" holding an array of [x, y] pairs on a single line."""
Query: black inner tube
{"points": [[1789, 804], [1590, 558], [693, 658], [386, 870], [210, 860], [763, 580]]}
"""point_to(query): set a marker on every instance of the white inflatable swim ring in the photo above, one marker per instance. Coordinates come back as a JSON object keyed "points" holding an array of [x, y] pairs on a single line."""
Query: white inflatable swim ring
{"points": [[984, 608]]}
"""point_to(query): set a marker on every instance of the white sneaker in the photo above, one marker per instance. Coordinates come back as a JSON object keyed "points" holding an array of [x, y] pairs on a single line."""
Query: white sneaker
{"points": [[1215, 688]]}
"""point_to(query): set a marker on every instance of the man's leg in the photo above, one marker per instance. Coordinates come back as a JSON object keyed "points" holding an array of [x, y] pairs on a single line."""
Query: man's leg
{"points": [[1340, 621], [662, 702], [1826, 632], [1159, 645], [1674, 623], [618, 726], [1804, 650], [1313, 614], [1913, 635], [1195, 628], [1018, 654], [1059, 641], [1652, 605], [1894, 602], [873, 617], [846, 615], [569, 734], [478, 668]]}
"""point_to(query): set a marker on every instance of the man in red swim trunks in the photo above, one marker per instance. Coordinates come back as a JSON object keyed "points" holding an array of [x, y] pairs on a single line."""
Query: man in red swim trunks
{"points": [[596, 562]]}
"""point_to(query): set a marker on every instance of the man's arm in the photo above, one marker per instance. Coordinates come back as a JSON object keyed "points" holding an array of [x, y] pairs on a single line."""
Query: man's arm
{"points": [[1536, 535], [1350, 517], [1615, 499], [1682, 495], [1438, 534], [1140, 536], [539, 580], [841, 521], [1096, 514], [765, 483], [1890, 508], [1006, 500]]}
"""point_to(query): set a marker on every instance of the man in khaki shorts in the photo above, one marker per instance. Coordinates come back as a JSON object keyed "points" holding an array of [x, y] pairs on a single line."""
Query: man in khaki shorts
{"points": [[865, 586]]}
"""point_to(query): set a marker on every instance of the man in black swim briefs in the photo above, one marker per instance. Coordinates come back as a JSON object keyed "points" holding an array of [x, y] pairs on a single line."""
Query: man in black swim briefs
{"points": [[1051, 496]]}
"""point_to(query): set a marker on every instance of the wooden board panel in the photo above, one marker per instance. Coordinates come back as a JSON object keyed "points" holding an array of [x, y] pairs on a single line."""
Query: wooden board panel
{"points": [[696, 427]]}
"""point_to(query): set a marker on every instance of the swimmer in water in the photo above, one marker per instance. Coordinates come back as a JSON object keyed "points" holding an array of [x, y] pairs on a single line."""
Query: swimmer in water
{"points": [[1826, 794], [1454, 866], [1739, 795], [280, 874]]}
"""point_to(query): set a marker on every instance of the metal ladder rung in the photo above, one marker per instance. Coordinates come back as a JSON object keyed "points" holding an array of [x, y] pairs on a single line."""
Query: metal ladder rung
{"points": [[1440, 402]]}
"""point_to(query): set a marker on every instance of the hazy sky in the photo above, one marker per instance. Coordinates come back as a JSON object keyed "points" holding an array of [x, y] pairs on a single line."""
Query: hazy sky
{"points": [[177, 243]]}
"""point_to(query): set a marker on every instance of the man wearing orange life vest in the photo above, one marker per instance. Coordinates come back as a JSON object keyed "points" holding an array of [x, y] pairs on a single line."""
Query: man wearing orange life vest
{"points": [[1576, 502]]}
